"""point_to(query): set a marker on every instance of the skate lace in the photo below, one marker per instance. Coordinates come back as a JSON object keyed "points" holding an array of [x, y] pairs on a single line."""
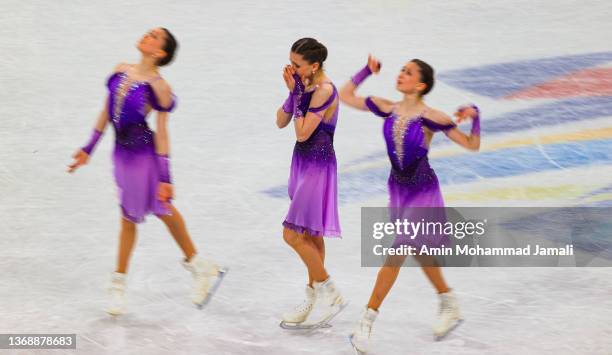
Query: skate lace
{"points": [[306, 305]]}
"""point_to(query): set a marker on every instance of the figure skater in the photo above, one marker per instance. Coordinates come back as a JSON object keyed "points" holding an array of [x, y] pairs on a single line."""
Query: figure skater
{"points": [[408, 127], [313, 212], [141, 161]]}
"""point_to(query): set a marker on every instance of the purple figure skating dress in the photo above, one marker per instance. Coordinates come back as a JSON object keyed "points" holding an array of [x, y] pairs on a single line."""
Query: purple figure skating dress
{"points": [[135, 164], [313, 188], [412, 182]]}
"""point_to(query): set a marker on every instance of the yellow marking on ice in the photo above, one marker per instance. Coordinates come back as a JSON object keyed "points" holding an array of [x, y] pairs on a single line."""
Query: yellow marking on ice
{"points": [[519, 193], [585, 135], [599, 198]]}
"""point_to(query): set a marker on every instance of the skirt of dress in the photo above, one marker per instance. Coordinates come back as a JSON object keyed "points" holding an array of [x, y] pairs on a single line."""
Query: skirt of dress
{"points": [[418, 199], [314, 197], [137, 177]]}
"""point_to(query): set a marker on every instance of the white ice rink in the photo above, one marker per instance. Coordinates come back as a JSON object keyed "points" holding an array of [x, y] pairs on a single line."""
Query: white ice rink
{"points": [[229, 161]]}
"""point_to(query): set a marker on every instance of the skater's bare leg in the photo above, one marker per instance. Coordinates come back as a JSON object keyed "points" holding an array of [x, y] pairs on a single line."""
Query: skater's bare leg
{"points": [[433, 272], [127, 238], [385, 280], [319, 244], [178, 229], [309, 254]]}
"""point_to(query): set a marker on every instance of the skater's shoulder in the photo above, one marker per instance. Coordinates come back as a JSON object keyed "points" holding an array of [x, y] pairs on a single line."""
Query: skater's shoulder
{"points": [[121, 68], [437, 116], [323, 91], [161, 88], [379, 105], [437, 120], [162, 95]]}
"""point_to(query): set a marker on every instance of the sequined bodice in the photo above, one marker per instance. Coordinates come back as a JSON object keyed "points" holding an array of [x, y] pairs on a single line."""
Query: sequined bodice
{"points": [[405, 140], [320, 145], [304, 104], [130, 101]]}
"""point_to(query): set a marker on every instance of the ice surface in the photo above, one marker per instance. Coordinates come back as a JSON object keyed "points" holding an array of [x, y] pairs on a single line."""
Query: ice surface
{"points": [[229, 161]]}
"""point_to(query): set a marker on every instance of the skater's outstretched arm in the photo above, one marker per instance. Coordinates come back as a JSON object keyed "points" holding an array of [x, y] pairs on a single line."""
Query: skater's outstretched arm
{"points": [[441, 121], [348, 94], [81, 156]]}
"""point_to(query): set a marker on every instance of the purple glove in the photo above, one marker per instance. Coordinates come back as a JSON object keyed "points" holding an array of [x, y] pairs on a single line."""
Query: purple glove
{"points": [[95, 137], [475, 131], [297, 92], [288, 104], [163, 165], [299, 87], [361, 75]]}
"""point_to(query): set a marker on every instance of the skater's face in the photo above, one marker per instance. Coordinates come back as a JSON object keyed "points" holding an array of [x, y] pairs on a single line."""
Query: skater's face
{"points": [[409, 79], [301, 66], [152, 43]]}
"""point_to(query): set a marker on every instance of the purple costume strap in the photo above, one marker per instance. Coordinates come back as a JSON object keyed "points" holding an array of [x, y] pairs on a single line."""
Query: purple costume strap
{"points": [[436, 127], [163, 164], [155, 101], [327, 102], [375, 110], [93, 141]]}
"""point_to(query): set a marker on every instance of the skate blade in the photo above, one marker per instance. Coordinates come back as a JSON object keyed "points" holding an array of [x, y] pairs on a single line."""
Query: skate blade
{"points": [[330, 316], [114, 314], [357, 351], [213, 289], [442, 336], [302, 326]]}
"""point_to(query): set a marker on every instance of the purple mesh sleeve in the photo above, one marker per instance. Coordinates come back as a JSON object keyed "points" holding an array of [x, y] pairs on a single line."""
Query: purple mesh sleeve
{"points": [[163, 166], [361, 75], [297, 92], [299, 87], [288, 104], [95, 137], [475, 120]]}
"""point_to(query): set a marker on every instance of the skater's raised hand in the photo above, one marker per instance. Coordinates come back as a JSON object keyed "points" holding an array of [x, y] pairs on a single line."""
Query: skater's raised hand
{"points": [[374, 64], [165, 193], [80, 158], [348, 93], [288, 73], [465, 112]]}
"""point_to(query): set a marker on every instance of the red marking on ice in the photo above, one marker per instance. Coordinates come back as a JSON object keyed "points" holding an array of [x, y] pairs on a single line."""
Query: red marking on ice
{"points": [[589, 82]]}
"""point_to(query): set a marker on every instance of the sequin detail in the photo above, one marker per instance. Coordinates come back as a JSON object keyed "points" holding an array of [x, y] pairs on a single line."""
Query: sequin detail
{"points": [[399, 133], [136, 135], [419, 173], [119, 96], [319, 147], [130, 104]]}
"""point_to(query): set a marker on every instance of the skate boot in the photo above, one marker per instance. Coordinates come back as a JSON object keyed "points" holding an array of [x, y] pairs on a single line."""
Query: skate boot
{"points": [[360, 337], [329, 298], [206, 276], [449, 316], [301, 311], [117, 294]]}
